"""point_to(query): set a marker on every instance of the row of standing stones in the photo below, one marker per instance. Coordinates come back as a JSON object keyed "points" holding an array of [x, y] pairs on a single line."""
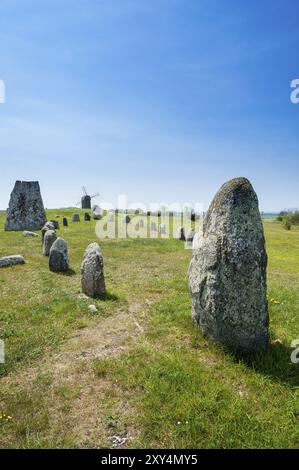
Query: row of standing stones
{"points": [[227, 273], [92, 268]]}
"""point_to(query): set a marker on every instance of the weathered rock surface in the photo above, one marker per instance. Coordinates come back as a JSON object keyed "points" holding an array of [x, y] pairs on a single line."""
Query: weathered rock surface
{"points": [[227, 274], [49, 238], [11, 260], [29, 234], [87, 217], [48, 226], [197, 240], [92, 271], [26, 210], [58, 259], [65, 222], [76, 218]]}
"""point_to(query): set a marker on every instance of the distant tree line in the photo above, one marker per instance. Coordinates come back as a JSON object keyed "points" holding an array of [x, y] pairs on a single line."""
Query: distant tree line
{"points": [[289, 218]]}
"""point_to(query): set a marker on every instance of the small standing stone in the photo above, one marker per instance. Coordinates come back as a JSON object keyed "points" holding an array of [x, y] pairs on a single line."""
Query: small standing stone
{"points": [[58, 259], [126, 219], [65, 222], [49, 238], [153, 226], [48, 226], [86, 217], [163, 229], [190, 237], [227, 274], [97, 212], [92, 271], [76, 218], [181, 234]]}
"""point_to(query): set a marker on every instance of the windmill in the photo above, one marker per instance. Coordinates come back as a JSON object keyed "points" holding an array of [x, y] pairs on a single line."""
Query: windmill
{"points": [[86, 199]]}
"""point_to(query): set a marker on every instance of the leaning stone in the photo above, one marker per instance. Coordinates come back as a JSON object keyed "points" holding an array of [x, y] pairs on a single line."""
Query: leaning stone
{"points": [[92, 271], [11, 260], [65, 222], [29, 234], [86, 217], [49, 239], [181, 234], [76, 218], [58, 259], [227, 274], [26, 210]]}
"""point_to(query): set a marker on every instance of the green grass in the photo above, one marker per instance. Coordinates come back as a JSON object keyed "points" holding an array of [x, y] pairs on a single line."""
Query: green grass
{"points": [[160, 383]]}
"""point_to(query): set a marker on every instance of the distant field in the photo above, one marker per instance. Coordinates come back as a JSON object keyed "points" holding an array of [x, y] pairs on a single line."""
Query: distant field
{"points": [[138, 373]]}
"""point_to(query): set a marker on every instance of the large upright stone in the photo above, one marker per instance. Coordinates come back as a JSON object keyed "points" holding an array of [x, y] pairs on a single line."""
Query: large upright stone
{"points": [[227, 274], [26, 210], [92, 272], [58, 259]]}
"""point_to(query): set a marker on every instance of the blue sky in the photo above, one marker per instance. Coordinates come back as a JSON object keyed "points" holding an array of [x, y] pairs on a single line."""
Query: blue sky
{"points": [[162, 100]]}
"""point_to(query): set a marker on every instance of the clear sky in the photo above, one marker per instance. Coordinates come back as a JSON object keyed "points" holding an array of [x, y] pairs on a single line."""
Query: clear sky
{"points": [[162, 100]]}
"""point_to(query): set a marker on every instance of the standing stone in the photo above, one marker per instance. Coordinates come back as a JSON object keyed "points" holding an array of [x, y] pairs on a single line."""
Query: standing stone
{"points": [[49, 238], [76, 218], [97, 212], [56, 224], [163, 229], [126, 219], [197, 240], [65, 222], [58, 259], [92, 271], [48, 226], [86, 217], [181, 234], [153, 226], [227, 274], [26, 210], [190, 237]]}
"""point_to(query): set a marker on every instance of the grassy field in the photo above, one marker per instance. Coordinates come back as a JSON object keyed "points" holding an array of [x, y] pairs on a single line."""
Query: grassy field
{"points": [[138, 373]]}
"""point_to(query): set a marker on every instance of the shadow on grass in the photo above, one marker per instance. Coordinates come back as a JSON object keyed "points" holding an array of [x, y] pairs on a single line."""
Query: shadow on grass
{"points": [[68, 273], [108, 296], [276, 363]]}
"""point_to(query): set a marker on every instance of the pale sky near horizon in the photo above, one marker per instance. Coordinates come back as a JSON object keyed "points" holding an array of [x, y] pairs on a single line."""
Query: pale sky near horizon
{"points": [[161, 100]]}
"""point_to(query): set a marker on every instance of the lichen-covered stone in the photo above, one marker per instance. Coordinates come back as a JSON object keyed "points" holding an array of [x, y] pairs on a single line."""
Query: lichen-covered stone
{"points": [[49, 238], [11, 260], [55, 223], [26, 210], [189, 238], [58, 258], [227, 274], [92, 272]]}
